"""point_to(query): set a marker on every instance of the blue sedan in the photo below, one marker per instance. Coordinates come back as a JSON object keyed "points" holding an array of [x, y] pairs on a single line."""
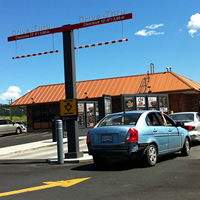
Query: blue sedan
{"points": [[142, 135]]}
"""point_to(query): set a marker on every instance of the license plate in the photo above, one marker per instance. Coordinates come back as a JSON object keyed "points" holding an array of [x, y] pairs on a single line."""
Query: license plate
{"points": [[106, 138]]}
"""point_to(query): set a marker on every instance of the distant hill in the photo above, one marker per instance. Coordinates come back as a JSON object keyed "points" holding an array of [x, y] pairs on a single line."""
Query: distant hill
{"points": [[5, 111]]}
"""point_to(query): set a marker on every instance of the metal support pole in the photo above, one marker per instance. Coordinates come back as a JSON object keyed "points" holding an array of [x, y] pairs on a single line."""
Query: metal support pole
{"points": [[71, 93], [59, 132]]}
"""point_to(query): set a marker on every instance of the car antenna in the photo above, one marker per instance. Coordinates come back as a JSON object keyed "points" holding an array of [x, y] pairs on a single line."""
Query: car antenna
{"points": [[124, 105]]}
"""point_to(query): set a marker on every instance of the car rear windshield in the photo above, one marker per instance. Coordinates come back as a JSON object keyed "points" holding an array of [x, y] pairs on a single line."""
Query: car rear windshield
{"points": [[120, 119], [183, 117]]}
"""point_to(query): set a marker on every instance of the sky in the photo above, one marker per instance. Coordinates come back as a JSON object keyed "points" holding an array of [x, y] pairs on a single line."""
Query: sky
{"points": [[165, 33]]}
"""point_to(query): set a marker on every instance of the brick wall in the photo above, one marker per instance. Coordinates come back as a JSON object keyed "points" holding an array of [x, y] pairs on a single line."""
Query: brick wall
{"points": [[184, 102], [29, 119], [177, 103]]}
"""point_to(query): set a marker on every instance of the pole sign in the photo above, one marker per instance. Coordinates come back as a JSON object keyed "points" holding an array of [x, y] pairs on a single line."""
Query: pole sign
{"points": [[71, 27], [68, 107]]}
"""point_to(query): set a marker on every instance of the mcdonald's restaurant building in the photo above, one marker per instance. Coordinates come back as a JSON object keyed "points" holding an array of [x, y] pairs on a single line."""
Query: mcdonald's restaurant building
{"points": [[168, 91]]}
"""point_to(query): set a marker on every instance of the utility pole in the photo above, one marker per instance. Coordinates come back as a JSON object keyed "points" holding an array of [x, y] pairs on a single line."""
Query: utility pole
{"points": [[9, 102]]}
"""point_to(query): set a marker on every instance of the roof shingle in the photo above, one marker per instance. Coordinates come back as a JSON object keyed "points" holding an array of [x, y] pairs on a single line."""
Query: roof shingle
{"points": [[159, 83]]}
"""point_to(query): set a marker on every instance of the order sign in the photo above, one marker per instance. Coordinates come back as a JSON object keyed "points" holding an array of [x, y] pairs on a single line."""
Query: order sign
{"points": [[68, 107]]}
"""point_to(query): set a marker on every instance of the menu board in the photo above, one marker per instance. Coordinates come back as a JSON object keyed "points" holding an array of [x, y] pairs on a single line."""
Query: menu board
{"points": [[163, 103], [90, 114], [80, 107], [97, 112], [81, 115], [164, 109], [140, 103], [107, 102], [152, 103], [81, 119], [129, 103]]}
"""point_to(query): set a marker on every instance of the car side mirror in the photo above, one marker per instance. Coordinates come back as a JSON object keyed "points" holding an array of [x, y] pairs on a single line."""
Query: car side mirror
{"points": [[180, 124]]}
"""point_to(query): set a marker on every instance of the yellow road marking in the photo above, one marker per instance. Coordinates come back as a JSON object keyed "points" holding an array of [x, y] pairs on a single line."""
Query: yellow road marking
{"points": [[66, 183]]}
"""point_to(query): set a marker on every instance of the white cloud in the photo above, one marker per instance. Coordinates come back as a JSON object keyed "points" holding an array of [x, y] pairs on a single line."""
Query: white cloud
{"points": [[154, 26], [194, 24], [192, 32], [146, 32], [13, 93]]}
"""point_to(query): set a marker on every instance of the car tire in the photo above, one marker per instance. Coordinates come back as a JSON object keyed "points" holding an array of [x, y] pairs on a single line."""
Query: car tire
{"points": [[18, 131], [151, 156], [186, 148], [99, 162]]}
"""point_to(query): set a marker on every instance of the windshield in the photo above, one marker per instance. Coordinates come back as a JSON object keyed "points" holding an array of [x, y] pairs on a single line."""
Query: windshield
{"points": [[120, 119], [183, 117]]}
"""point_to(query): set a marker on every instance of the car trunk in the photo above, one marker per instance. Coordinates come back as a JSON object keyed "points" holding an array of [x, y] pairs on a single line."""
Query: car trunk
{"points": [[109, 135]]}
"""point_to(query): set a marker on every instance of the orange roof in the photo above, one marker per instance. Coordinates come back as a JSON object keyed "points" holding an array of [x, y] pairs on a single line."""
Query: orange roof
{"points": [[165, 82]]}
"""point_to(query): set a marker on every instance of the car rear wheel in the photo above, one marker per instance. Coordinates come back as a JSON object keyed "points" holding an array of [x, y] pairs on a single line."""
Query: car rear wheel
{"points": [[18, 130], [186, 148], [99, 162], [151, 156]]}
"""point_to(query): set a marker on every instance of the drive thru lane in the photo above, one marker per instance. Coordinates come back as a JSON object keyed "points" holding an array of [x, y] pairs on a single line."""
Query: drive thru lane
{"points": [[174, 177], [14, 139]]}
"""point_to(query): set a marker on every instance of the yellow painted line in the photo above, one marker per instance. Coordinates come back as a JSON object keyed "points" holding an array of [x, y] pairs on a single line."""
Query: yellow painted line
{"points": [[66, 183]]}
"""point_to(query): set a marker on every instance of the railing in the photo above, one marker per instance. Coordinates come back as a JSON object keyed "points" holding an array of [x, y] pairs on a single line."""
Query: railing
{"points": [[144, 83]]}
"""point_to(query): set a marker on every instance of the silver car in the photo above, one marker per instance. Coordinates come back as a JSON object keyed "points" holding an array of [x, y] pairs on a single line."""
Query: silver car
{"points": [[8, 126], [191, 122], [23, 127]]}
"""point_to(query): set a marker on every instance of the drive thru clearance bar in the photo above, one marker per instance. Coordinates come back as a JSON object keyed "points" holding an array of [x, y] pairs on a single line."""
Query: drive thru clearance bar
{"points": [[71, 27], [99, 44], [35, 54]]}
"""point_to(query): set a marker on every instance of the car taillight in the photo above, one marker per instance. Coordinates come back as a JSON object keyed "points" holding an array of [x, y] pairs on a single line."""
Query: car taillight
{"points": [[132, 135], [190, 127], [88, 140]]}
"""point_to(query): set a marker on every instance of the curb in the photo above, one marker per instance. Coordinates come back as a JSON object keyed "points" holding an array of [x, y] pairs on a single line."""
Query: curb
{"points": [[85, 159], [7, 151], [22, 161]]}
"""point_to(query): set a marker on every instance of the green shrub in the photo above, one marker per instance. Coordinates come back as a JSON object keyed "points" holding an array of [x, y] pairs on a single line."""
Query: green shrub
{"points": [[16, 118]]}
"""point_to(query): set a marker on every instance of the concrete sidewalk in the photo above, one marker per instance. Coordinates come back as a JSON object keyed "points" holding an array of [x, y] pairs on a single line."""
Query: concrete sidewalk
{"points": [[15, 151]]}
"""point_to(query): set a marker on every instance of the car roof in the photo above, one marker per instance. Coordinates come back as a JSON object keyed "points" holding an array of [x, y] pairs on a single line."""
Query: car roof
{"points": [[136, 111], [184, 113]]}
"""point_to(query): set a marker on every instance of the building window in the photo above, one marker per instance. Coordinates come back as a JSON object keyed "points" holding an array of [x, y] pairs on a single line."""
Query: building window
{"points": [[44, 114]]}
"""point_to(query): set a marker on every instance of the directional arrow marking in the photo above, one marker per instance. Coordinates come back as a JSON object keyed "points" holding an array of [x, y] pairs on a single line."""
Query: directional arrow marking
{"points": [[66, 183]]}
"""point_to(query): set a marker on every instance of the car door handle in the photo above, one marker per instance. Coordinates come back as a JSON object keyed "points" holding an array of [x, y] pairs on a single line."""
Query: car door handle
{"points": [[154, 130], [169, 130]]}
